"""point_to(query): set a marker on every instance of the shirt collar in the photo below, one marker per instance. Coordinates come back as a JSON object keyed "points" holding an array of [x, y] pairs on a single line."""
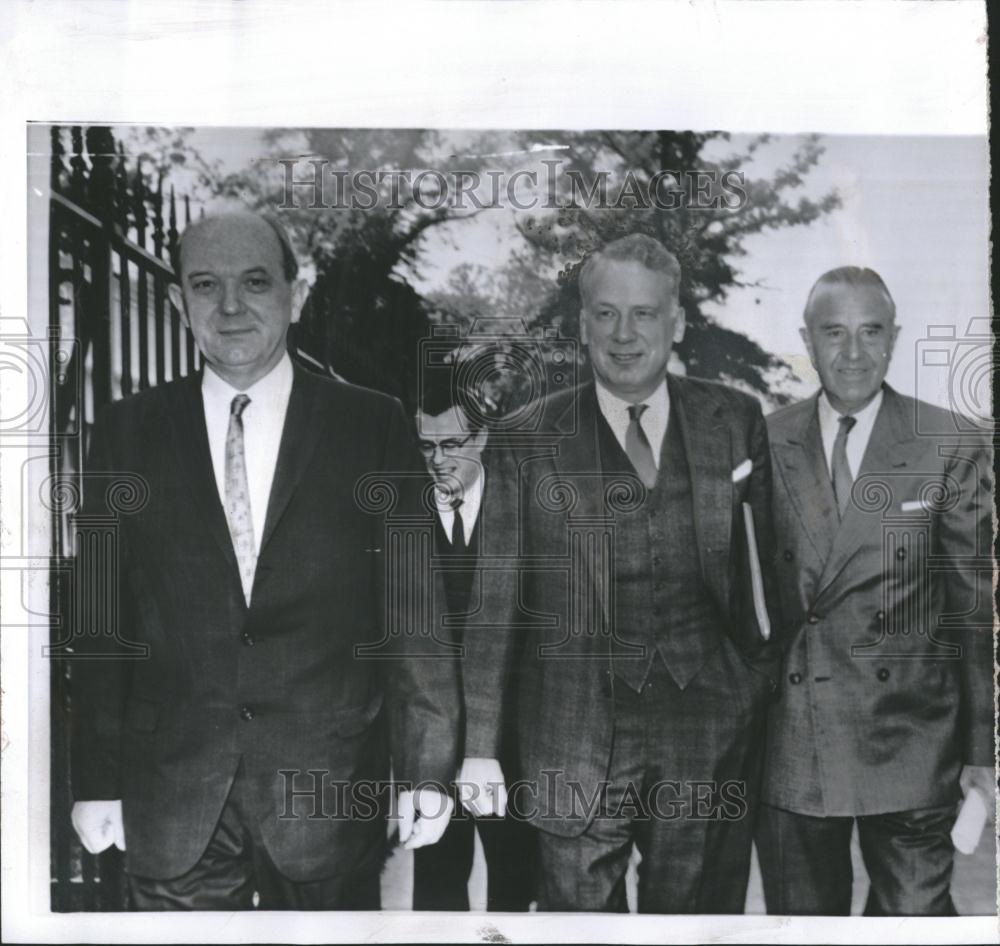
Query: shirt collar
{"points": [[613, 406], [470, 499], [830, 416], [272, 389]]}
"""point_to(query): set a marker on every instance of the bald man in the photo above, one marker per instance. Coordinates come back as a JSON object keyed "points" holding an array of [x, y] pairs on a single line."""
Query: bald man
{"points": [[883, 537], [244, 761]]}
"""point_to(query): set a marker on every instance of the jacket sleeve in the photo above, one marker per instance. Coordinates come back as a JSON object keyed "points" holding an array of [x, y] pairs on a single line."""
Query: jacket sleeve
{"points": [[422, 682], [766, 650], [99, 678], [490, 640], [965, 541]]}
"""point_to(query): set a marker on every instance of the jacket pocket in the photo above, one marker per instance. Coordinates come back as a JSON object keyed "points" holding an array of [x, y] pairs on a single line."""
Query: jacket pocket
{"points": [[353, 720]]}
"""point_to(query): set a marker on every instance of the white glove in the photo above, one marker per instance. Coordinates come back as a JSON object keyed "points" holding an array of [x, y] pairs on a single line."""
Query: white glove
{"points": [[99, 825]]}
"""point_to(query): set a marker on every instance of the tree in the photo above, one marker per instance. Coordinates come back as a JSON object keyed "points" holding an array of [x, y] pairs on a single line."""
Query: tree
{"points": [[707, 242]]}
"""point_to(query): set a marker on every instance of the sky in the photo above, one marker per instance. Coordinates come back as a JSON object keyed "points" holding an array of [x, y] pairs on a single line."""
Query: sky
{"points": [[913, 208]]}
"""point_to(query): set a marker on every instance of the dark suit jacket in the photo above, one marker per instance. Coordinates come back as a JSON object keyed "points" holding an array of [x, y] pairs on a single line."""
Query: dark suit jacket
{"points": [[165, 733], [561, 674], [878, 716]]}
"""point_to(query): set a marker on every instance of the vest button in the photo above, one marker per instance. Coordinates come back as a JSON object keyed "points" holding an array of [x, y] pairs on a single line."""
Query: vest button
{"points": [[247, 639], [246, 713], [900, 553], [788, 555], [795, 678], [880, 615], [813, 619], [882, 674]]}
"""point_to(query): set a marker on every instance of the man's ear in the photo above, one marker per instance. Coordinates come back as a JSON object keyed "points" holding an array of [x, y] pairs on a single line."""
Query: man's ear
{"points": [[300, 292], [177, 298], [807, 341], [680, 324], [583, 327]]}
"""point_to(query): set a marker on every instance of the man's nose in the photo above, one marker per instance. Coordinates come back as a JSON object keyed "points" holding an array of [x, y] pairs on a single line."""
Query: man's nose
{"points": [[232, 299], [624, 328], [854, 347]]}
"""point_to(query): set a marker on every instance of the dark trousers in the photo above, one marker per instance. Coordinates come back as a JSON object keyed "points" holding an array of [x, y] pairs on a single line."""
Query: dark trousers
{"points": [[682, 785], [441, 871], [236, 866], [806, 862]]}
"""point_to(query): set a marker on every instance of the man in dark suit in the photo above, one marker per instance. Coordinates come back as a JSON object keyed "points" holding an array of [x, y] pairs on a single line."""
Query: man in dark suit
{"points": [[454, 446], [244, 759], [632, 567], [883, 523]]}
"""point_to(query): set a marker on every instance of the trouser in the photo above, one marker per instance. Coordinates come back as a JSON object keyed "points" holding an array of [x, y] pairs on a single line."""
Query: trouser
{"points": [[236, 866], [682, 786], [805, 862], [441, 871]]}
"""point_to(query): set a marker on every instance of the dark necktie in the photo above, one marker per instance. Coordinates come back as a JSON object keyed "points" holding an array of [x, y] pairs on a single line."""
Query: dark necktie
{"points": [[457, 528], [637, 446], [238, 496], [842, 479]]}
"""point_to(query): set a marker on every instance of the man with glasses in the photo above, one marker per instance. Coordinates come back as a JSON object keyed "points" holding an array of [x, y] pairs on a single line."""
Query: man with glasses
{"points": [[453, 445]]}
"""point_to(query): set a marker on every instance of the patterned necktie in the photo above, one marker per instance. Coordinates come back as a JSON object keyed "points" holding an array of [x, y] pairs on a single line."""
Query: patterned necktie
{"points": [[457, 528], [238, 496], [637, 446], [842, 479]]}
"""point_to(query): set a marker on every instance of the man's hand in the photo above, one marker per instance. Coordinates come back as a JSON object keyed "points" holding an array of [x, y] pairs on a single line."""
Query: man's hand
{"points": [[481, 787], [982, 777], [423, 817], [99, 825]]}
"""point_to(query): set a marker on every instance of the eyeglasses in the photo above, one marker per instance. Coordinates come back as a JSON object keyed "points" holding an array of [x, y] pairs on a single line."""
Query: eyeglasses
{"points": [[427, 447]]}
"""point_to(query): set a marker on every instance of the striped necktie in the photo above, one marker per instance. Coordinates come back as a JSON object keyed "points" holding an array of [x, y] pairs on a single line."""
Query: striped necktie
{"points": [[637, 446], [238, 496], [842, 478]]}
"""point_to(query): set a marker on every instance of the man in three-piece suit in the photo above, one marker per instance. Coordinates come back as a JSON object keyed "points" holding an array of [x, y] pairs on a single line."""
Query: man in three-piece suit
{"points": [[883, 527], [454, 443], [252, 575], [649, 659]]}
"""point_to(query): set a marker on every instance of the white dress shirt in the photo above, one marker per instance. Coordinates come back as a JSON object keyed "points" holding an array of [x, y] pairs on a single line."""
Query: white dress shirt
{"points": [[263, 422], [653, 420], [857, 439], [469, 510]]}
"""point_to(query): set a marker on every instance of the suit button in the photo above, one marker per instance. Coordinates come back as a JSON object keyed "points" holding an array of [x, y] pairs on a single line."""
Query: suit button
{"points": [[900, 553], [795, 678], [787, 555], [882, 674], [246, 713], [880, 615], [247, 639], [813, 619]]}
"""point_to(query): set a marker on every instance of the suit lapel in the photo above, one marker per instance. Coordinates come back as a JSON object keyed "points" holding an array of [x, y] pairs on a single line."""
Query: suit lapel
{"points": [[190, 436], [708, 448], [889, 448], [578, 462], [302, 430], [802, 467]]}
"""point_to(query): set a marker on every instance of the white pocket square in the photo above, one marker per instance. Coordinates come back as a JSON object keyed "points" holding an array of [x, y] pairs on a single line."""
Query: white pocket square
{"points": [[742, 471], [912, 504]]}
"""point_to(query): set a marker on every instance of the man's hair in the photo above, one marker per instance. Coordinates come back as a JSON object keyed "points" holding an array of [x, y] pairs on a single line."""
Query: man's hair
{"points": [[850, 277], [289, 262], [439, 391], [634, 248]]}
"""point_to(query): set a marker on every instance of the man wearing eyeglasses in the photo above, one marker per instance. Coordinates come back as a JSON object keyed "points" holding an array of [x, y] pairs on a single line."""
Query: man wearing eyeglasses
{"points": [[453, 445]]}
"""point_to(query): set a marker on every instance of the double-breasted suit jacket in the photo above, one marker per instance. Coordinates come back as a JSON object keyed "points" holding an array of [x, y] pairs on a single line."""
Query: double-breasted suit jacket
{"points": [[890, 661], [550, 575], [277, 683]]}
